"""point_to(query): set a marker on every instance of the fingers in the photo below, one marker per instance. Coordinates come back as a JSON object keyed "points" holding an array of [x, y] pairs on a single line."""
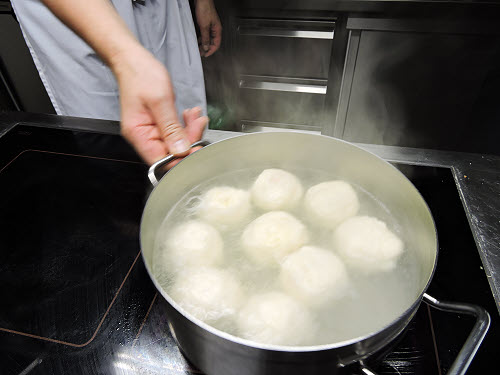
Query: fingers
{"points": [[171, 131], [152, 146], [195, 124], [177, 161], [215, 38], [146, 141], [137, 129], [191, 114], [205, 38]]}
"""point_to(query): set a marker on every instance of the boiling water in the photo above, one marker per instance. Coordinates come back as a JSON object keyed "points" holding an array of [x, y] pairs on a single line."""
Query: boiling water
{"points": [[372, 302]]}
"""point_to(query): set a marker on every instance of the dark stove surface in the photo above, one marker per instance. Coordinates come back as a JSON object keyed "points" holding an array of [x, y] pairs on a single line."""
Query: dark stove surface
{"points": [[76, 298]]}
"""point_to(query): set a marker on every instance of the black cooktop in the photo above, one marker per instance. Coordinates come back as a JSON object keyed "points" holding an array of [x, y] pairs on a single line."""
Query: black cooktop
{"points": [[76, 298]]}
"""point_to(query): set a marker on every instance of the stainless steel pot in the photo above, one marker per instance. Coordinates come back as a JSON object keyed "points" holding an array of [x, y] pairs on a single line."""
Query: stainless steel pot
{"points": [[216, 352]]}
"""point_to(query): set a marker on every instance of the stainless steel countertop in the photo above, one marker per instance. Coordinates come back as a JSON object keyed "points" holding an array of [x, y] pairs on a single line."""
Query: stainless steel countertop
{"points": [[477, 178]]}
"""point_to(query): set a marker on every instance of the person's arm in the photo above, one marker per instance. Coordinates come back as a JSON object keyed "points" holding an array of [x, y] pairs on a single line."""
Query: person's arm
{"points": [[149, 120]]}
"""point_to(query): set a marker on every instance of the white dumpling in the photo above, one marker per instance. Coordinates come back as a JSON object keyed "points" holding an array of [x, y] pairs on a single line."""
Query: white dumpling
{"points": [[272, 236], [314, 276], [193, 243], [329, 203], [365, 243], [276, 189], [208, 293], [275, 318], [224, 206]]}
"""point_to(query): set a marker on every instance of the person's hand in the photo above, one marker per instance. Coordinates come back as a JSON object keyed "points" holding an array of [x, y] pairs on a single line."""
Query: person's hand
{"points": [[149, 118], [210, 27]]}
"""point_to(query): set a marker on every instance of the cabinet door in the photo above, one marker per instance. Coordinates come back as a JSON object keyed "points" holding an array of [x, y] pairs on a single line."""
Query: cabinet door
{"points": [[422, 89], [284, 48], [8, 101]]}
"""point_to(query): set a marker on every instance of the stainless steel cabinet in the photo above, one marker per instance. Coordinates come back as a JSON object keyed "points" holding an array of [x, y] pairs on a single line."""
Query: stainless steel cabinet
{"points": [[421, 83], [280, 72]]}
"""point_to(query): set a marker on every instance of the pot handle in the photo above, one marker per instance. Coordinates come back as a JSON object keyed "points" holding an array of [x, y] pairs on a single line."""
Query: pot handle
{"points": [[469, 349], [167, 159]]}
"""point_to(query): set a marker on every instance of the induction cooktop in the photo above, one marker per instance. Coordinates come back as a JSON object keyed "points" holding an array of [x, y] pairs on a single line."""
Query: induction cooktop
{"points": [[75, 295]]}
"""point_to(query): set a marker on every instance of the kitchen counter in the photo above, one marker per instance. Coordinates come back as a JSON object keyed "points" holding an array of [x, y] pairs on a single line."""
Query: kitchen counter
{"points": [[426, 8], [477, 178]]}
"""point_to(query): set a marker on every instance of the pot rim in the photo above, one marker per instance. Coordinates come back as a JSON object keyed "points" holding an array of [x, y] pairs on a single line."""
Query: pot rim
{"points": [[285, 348]]}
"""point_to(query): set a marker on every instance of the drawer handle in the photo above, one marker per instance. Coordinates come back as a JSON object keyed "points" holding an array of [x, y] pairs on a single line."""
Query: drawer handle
{"points": [[286, 28], [284, 33], [285, 84]]}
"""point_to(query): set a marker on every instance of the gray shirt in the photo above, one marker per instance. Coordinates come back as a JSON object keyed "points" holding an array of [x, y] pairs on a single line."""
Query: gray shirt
{"points": [[80, 84]]}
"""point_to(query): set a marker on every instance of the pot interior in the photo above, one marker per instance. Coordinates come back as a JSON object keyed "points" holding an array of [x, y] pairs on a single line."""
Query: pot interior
{"points": [[291, 150]]}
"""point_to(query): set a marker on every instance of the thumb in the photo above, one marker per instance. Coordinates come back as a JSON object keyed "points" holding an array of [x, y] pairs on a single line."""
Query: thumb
{"points": [[171, 130]]}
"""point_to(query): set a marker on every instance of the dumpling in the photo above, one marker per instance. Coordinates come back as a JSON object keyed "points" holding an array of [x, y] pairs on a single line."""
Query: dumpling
{"points": [[208, 293], [365, 243], [193, 243], [314, 276], [275, 318], [272, 236], [276, 189], [224, 206], [329, 203]]}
